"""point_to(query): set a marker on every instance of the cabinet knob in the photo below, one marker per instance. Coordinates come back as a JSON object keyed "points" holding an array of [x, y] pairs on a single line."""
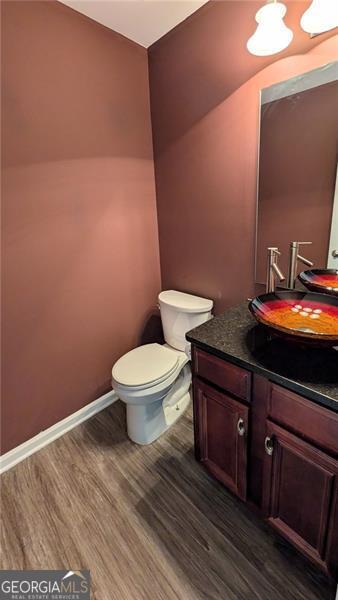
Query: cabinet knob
{"points": [[268, 443], [240, 426]]}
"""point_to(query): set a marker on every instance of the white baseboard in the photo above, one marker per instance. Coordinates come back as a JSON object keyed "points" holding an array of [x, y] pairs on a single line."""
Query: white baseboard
{"points": [[45, 437]]}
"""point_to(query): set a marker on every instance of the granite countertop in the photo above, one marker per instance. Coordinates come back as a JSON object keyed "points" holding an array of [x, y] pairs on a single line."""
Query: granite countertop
{"points": [[236, 337]]}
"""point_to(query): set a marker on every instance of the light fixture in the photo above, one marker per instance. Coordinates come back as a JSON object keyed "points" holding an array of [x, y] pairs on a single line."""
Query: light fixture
{"points": [[271, 35], [321, 16]]}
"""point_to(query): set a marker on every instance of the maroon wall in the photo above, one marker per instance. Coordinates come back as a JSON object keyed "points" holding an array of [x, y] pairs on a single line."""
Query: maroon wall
{"points": [[297, 174], [80, 243], [205, 105]]}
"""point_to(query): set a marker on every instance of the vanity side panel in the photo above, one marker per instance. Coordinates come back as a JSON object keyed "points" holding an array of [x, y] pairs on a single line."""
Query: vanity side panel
{"points": [[197, 449]]}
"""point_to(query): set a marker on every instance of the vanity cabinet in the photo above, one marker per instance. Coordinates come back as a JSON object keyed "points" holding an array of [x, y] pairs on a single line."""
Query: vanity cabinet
{"points": [[274, 449]]}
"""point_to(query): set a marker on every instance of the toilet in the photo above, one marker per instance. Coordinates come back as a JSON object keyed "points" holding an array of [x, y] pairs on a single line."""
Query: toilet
{"points": [[154, 380]]}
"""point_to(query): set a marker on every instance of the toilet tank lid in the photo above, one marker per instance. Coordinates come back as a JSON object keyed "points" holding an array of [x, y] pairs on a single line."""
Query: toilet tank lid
{"points": [[185, 302]]}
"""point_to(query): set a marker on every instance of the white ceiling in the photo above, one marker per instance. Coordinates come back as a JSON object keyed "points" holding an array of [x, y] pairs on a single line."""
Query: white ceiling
{"points": [[143, 21]]}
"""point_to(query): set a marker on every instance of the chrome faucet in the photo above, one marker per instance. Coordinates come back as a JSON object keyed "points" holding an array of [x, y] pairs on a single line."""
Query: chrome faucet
{"points": [[293, 262], [273, 270]]}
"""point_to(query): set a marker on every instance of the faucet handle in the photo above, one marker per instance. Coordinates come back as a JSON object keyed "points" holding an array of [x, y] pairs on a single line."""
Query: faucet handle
{"points": [[274, 250], [295, 244]]}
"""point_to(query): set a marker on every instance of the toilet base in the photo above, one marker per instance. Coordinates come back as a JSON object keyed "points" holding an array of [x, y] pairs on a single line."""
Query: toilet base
{"points": [[148, 422]]}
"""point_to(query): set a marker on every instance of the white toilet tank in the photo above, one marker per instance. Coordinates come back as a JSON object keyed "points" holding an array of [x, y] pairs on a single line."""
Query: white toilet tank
{"points": [[181, 312]]}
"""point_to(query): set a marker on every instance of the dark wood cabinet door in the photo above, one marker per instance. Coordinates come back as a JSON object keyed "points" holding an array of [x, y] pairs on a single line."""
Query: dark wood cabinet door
{"points": [[298, 492], [222, 434]]}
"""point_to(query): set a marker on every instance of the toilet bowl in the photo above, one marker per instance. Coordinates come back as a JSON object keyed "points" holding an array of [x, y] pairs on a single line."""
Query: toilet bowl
{"points": [[154, 380]]}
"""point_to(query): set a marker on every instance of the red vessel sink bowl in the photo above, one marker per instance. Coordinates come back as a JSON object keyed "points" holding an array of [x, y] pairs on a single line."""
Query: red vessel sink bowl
{"points": [[324, 281], [300, 316]]}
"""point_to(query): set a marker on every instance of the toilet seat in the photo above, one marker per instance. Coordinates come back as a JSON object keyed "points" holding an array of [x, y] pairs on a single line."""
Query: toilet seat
{"points": [[145, 366]]}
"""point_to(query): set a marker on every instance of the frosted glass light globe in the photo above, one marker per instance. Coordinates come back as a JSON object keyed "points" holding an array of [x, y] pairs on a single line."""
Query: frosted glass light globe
{"points": [[271, 35], [321, 16]]}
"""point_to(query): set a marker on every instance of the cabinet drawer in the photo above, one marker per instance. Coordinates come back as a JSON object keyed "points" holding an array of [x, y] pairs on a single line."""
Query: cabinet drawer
{"points": [[233, 379], [317, 424]]}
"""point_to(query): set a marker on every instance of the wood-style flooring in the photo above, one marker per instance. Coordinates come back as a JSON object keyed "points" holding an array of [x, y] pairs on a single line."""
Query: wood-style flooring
{"points": [[148, 522]]}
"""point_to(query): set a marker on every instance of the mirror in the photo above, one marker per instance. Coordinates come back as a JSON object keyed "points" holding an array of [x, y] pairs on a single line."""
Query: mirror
{"points": [[297, 200]]}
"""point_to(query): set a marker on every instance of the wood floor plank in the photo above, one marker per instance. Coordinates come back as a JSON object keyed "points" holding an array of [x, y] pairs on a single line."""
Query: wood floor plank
{"points": [[148, 522]]}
